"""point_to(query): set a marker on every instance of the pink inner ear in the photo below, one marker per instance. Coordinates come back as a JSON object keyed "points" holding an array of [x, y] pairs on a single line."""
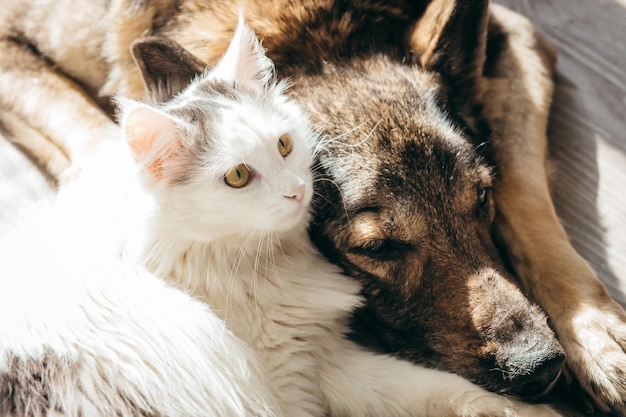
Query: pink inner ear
{"points": [[153, 138]]}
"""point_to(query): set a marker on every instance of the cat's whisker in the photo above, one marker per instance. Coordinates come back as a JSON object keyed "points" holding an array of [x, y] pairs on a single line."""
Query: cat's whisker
{"points": [[269, 256], [365, 139], [207, 277], [331, 152], [280, 247], [241, 255], [256, 272], [353, 146], [273, 259], [326, 139], [333, 156], [320, 143], [343, 202]]}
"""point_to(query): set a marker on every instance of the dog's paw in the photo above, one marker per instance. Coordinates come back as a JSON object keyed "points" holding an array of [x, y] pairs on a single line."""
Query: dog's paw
{"points": [[595, 345], [534, 410], [487, 404]]}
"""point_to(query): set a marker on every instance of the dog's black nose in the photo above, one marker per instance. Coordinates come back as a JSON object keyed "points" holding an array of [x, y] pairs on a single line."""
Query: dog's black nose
{"points": [[538, 381]]}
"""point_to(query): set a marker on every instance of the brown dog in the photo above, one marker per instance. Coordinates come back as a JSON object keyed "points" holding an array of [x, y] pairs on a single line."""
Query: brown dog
{"points": [[405, 201]]}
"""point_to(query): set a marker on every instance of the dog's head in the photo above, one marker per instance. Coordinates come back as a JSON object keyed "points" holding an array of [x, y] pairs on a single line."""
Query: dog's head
{"points": [[404, 205], [403, 198]]}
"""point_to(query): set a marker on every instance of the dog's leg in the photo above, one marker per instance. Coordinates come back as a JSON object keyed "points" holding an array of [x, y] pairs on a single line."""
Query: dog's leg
{"points": [[35, 93], [357, 382], [46, 154], [589, 324]]}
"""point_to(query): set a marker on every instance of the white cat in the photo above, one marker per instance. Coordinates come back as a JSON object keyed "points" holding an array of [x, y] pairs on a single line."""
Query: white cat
{"points": [[217, 205]]}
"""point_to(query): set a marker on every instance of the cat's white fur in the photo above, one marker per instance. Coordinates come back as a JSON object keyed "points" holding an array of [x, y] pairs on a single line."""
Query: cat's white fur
{"points": [[95, 284]]}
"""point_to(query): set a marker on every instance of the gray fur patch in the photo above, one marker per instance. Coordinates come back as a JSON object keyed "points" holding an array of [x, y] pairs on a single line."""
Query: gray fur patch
{"points": [[26, 389]]}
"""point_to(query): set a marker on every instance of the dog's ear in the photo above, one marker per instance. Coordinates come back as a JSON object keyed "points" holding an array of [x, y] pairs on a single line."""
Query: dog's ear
{"points": [[166, 67], [450, 39]]}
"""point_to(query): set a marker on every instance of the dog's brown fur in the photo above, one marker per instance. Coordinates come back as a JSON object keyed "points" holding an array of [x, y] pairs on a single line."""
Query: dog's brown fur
{"points": [[400, 86]]}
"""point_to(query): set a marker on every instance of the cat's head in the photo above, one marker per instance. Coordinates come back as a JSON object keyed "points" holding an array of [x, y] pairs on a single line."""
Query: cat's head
{"points": [[225, 152]]}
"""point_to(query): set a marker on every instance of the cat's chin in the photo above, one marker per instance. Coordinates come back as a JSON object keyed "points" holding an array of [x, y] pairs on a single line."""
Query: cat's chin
{"points": [[296, 217]]}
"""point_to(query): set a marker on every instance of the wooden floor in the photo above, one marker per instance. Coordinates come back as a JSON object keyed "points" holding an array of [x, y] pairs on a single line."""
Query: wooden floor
{"points": [[588, 126]]}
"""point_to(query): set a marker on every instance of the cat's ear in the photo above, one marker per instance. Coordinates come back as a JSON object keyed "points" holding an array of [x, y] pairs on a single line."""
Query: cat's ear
{"points": [[152, 136], [450, 38], [166, 67], [244, 62]]}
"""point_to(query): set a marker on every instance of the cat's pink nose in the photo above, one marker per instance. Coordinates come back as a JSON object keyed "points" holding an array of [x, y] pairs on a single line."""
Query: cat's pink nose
{"points": [[297, 193]]}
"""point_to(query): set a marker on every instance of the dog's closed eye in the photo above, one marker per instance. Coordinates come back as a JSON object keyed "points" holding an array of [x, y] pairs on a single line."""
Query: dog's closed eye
{"points": [[382, 249]]}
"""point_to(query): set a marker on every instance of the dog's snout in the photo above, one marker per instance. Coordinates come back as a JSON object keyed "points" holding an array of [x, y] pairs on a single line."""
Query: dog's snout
{"points": [[530, 358], [531, 373], [527, 357], [541, 380]]}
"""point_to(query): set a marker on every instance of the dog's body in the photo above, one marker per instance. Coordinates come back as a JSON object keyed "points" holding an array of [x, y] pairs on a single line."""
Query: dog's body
{"points": [[406, 206]]}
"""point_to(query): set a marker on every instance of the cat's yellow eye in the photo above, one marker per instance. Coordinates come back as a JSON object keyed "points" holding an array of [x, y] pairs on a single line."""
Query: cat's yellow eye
{"points": [[238, 176], [284, 145]]}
